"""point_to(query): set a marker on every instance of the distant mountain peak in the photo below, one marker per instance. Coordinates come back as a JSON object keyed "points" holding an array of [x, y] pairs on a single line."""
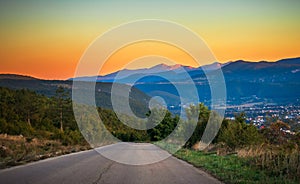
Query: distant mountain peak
{"points": [[176, 66], [213, 66], [240, 61], [161, 66], [165, 67]]}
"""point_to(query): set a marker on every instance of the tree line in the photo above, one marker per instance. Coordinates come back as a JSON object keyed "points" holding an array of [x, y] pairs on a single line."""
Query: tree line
{"points": [[33, 115], [24, 112]]}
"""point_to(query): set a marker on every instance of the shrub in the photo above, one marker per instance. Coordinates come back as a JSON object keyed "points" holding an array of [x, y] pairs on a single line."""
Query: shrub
{"points": [[239, 134]]}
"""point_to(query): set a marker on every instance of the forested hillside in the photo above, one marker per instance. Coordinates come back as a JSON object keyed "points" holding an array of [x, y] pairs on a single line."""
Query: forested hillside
{"points": [[34, 126], [138, 100]]}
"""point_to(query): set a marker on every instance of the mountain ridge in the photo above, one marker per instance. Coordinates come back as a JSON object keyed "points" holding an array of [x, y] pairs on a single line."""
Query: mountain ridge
{"points": [[178, 68], [17, 76], [246, 82]]}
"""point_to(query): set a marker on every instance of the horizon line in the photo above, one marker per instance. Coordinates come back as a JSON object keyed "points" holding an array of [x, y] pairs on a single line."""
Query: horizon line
{"points": [[231, 61]]}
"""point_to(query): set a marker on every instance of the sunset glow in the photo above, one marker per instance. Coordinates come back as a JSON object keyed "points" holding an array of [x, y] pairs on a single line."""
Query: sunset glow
{"points": [[171, 54], [46, 39]]}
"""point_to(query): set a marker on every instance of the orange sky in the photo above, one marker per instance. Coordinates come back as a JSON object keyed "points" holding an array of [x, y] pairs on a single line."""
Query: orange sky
{"points": [[47, 39]]}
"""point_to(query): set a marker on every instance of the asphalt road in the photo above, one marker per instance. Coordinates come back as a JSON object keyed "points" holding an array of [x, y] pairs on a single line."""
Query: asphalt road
{"points": [[91, 167]]}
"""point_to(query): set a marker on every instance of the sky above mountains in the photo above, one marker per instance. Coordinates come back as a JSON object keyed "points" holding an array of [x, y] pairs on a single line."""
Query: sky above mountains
{"points": [[47, 38]]}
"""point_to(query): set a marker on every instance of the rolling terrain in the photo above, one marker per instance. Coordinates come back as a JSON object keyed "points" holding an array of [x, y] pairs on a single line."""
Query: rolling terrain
{"points": [[138, 100], [246, 82]]}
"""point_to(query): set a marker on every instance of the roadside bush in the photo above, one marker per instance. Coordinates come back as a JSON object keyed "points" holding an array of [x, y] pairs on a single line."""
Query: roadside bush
{"points": [[275, 133], [238, 134]]}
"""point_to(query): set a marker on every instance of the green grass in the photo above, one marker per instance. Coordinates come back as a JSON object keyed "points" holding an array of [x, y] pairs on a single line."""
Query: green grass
{"points": [[230, 168]]}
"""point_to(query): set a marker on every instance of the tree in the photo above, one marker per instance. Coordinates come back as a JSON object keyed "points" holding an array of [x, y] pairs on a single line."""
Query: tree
{"points": [[7, 107], [164, 128], [239, 134], [275, 133], [62, 100], [203, 114]]}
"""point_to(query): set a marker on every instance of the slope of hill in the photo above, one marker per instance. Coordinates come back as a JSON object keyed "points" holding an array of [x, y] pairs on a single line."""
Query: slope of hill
{"points": [[276, 82], [138, 100], [246, 82], [15, 76]]}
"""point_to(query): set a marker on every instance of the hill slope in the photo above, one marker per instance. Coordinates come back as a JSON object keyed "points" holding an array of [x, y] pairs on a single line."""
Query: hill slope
{"points": [[138, 100]]}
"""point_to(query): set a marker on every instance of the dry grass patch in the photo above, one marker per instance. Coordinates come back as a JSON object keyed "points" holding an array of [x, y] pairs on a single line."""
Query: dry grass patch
{"points": [[16, 150]]}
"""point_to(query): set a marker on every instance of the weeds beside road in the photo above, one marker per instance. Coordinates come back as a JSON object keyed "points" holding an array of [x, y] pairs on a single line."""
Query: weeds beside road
{"points": [[233, 168], [17, 150]]}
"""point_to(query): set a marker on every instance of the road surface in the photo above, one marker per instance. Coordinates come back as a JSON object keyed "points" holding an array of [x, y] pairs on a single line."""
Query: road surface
{"points": [[90, 167]]}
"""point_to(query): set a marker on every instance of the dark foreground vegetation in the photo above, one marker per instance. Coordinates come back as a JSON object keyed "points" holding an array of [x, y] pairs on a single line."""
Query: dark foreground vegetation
{"points": [[34, 127], [241, 153]]}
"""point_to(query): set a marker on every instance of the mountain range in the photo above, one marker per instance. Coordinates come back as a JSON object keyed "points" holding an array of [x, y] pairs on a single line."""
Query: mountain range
{"points": [[246, 82], [282, 70], [126, 75]]}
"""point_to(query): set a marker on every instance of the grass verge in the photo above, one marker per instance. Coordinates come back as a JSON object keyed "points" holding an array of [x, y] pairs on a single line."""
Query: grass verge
{"points": [[230, 168], [18, 150]]}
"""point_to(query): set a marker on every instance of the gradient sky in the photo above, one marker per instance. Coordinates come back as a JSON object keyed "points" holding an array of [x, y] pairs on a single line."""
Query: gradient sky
{"points": [[46, 39]]}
